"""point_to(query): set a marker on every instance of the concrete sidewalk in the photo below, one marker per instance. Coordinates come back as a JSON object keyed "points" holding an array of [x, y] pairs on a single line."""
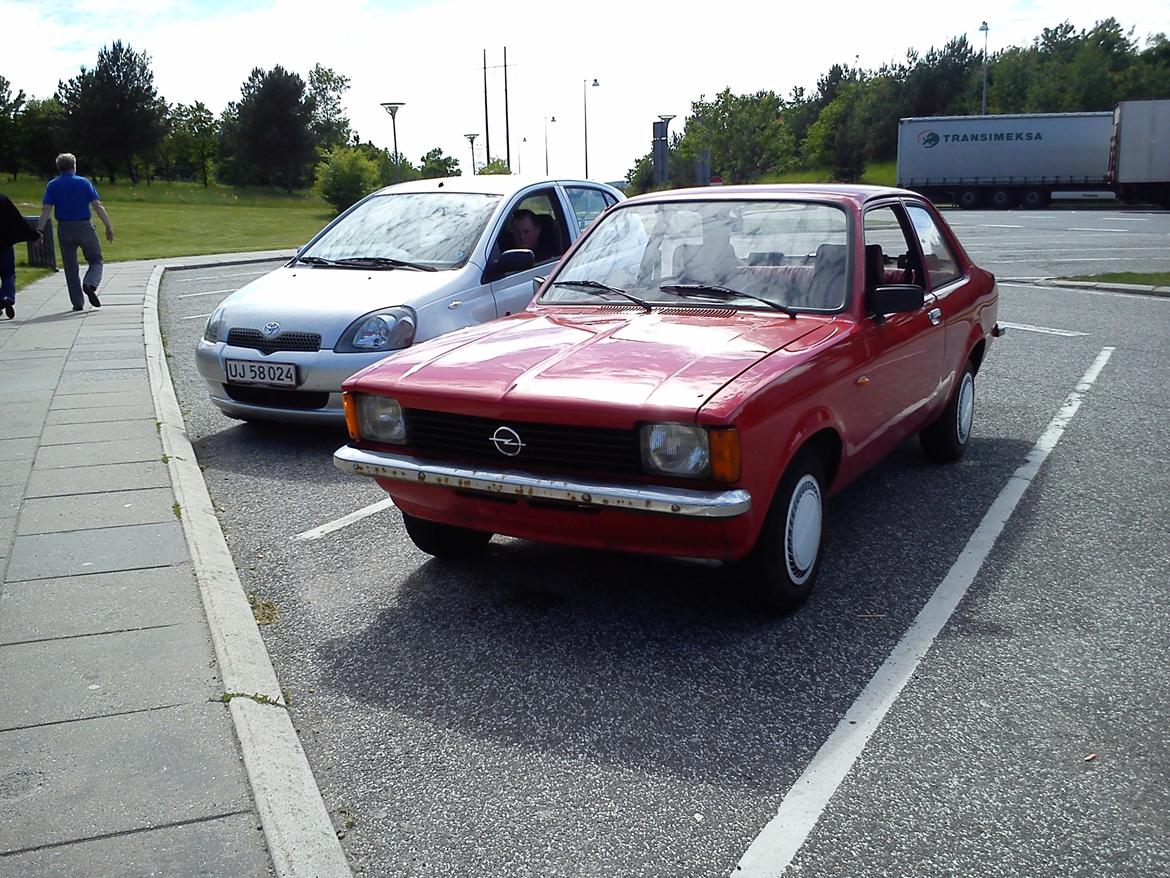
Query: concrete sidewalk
{"points": [[124, 748]]}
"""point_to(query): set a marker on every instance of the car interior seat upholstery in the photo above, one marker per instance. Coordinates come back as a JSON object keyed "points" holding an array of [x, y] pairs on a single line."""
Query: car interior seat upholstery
{"points": [[548, 242], [827, 288]]}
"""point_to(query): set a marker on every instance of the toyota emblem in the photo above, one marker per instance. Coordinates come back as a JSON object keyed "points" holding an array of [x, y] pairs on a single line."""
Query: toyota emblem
{"points": [[507, 441], [271, 329]]}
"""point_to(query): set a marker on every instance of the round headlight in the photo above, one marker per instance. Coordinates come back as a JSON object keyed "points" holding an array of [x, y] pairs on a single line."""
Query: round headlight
{"points": [[676, 449], [380, 419]]}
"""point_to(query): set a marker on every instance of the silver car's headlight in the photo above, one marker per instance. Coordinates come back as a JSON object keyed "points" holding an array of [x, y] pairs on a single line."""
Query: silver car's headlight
{"points": [[380, 419], [388, 330], [214, 327], [676, 450]]}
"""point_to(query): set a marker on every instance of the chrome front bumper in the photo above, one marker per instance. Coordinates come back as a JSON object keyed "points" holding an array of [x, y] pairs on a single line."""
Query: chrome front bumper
{"points": [[640, 498]]}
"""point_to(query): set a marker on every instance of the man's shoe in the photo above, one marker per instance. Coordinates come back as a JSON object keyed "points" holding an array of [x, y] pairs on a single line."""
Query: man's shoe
{"points": [[77, 308], [91, 292], [9, 311]]}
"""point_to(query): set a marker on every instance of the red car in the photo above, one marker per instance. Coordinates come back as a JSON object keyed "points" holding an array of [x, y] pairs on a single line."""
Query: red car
{"points": [[696, 375]]}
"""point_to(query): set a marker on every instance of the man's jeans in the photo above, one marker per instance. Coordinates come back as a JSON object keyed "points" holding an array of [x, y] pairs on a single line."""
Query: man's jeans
{"points": [[7, 275], [72, 234]]}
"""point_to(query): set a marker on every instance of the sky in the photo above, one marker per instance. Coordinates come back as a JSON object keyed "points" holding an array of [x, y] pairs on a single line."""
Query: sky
{"points": [[647, 59]]}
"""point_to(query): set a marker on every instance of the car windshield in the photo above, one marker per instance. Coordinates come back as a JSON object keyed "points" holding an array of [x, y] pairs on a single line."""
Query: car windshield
{"points": [[421, 229], [755, 254]]}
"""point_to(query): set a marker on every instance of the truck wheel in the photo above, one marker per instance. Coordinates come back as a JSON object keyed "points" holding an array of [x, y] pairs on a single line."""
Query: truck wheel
{"points": [[445, 540], [969, 199], [784, 564], [945, 440], [1034, 199], [1003, 199]]}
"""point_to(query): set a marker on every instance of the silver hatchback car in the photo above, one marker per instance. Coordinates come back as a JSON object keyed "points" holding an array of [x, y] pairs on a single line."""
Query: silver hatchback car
{"points": [[403, 265]]}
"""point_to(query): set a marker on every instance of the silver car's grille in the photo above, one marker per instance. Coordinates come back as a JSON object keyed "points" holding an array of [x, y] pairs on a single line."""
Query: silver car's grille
{"points": [[545, 446], [286, 341]]}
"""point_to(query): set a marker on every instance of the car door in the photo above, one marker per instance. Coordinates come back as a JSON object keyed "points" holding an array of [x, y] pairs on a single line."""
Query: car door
{"points": [[513, 292], [905, 350]]}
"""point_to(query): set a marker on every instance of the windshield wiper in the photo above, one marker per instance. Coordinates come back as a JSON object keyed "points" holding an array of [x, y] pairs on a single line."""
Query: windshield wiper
{"points": [[716, 291], [597, 288], [384, 262], [314, 260]]}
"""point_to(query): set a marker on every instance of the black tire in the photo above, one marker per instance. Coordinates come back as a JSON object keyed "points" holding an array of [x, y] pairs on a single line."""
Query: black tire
{"points": [[945, 440], [1004, 199], [1034, 199], [784, 564], [445, 540], [969, 199]]}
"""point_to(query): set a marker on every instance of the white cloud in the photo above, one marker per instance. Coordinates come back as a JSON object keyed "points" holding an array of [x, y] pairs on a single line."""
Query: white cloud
{"points": [[648, 58]]}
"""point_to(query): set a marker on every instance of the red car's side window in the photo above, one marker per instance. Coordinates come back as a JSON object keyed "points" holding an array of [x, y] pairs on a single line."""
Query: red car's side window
{"points": [[889, 257], [941, 264]]}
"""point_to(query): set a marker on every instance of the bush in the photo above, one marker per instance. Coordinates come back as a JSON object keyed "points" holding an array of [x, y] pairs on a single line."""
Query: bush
{"points": [[345, 177]]}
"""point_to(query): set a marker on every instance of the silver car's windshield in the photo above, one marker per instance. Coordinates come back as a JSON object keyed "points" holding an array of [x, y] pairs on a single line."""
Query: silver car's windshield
{"points": [[787, 255], [434, 229]]}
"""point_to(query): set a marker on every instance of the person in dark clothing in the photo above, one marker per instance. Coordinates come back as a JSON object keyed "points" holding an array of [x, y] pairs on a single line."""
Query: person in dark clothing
{"points": [[14, 229], [74, 200]]}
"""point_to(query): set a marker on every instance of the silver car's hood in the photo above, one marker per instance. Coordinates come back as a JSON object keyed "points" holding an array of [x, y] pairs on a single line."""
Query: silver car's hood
{"points": [[303, 298]]}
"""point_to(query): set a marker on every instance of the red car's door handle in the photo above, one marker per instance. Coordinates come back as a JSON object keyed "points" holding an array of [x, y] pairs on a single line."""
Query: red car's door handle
{"points": [[935, 315]]}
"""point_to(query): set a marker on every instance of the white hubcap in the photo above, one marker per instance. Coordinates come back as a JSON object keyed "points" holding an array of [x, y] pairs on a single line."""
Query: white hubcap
{"points": [[802, 529], [966, 409]]}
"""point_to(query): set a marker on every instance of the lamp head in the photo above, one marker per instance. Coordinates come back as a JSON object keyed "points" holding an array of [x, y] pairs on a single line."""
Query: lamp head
{"points": [[391, 107]]}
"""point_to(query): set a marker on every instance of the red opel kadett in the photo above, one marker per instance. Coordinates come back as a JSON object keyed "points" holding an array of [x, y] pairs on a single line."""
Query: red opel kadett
{"points": [[694, 378]]}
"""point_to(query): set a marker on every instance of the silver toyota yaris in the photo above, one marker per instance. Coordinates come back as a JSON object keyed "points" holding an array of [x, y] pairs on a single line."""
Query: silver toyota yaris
{"points": [[404, 264]]}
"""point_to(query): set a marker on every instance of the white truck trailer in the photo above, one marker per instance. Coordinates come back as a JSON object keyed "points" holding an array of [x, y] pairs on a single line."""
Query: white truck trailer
{"points": [[1013, 159]]}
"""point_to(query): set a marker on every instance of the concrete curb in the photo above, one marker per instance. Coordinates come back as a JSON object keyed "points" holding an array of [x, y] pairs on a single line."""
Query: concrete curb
{"points": [[1098, 285], [300, 836]]}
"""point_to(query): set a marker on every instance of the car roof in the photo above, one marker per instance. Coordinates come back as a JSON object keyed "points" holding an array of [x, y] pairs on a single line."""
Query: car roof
{"points": [[488, 184], [840, 192]]}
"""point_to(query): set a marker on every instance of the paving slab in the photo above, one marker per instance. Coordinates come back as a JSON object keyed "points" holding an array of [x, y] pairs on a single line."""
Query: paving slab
{"points": [[17, 449], [93, 401], [152, 769], [70, 606], [115, 509], [7, 535], [97, 453], [80, 365], [104, 382], [74, 678], [122, 429], [95, 479], [15, 472], [207, 848], [43, 556], [100, 414]]}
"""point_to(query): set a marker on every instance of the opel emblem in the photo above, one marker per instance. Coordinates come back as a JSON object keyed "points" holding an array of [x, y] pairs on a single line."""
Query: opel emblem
{"points": [[507, 441], [270, 329]]}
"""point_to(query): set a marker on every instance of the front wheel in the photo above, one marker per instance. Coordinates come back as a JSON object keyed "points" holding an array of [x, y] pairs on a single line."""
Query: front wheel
{"points": [[945, 440], [445, 540], [787, 556]]}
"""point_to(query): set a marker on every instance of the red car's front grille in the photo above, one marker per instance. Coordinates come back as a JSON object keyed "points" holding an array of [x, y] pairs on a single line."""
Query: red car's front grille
{"points": [[546, 447]]}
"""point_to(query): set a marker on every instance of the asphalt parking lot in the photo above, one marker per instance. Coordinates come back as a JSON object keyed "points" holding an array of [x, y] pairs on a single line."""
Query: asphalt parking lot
{"points": [[558, 712]]}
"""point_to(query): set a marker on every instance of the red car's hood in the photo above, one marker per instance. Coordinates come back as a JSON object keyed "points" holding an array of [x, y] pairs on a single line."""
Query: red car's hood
{"points": [[653, 361]]}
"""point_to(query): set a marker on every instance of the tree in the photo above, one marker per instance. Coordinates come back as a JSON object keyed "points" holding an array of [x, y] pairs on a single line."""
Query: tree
{"points": [[742, 134], [435, 164], [271, 134], [193, 138], [496, 166], [9, 110], [38, 136], [330, 126], [113, 113], [836, 140], [345, 176]]}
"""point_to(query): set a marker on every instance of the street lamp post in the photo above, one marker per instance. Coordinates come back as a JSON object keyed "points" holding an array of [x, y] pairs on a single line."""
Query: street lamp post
{"points": [[392, 109], [660, 153], [983, 27], [547, 119], [471, 140], [585, 107]]}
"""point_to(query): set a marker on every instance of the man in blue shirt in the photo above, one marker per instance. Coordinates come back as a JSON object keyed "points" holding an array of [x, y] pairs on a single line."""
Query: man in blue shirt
{"points": [[72, 197]]}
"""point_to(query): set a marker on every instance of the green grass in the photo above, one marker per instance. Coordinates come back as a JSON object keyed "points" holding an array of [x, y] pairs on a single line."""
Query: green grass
{"points": [[185, 219], [882, 174], [1151, 278]]}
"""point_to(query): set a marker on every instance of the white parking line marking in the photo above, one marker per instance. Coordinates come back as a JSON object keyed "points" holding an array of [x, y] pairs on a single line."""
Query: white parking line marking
{"points": [[207, 293], [1126, 219], [775, 848], [196, 316], [201, 277], [318, 532], [999, 226], [1027, 327], [1096, 230]]}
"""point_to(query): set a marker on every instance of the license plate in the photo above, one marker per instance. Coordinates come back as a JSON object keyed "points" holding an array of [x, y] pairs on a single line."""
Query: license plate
{"points": [[251, 372]]}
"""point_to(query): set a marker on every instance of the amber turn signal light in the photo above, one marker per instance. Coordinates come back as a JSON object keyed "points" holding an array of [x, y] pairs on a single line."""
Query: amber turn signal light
{"points": [[724, 445], [349, 403]]}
